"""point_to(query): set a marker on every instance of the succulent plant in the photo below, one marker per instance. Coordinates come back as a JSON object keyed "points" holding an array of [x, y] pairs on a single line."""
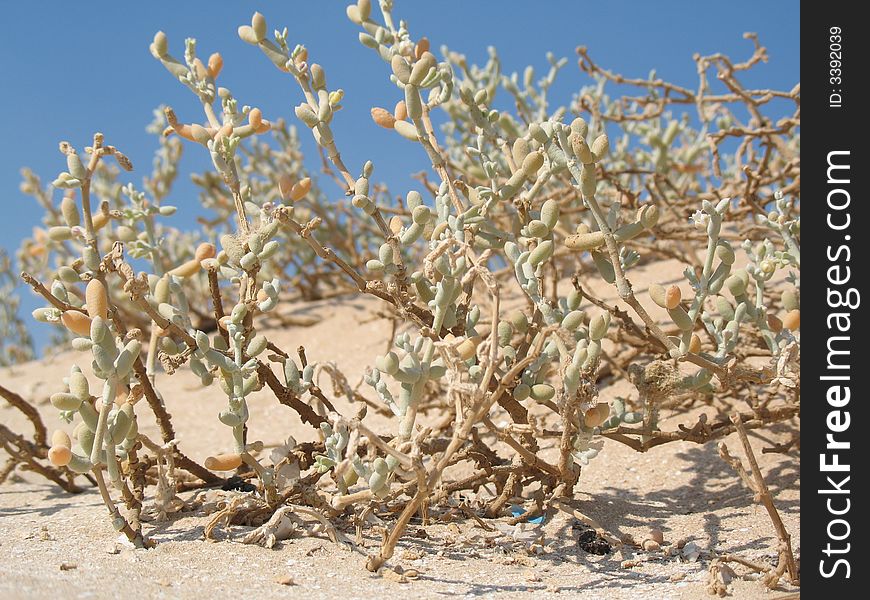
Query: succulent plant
{"points": [[509, 274]]}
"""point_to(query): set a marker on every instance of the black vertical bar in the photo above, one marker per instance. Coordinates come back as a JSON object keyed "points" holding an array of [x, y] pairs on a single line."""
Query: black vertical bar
{"points": [[835, 352]]}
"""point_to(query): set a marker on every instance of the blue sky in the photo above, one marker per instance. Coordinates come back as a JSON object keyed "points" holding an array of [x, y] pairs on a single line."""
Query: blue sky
{"points": [[71, 68]]}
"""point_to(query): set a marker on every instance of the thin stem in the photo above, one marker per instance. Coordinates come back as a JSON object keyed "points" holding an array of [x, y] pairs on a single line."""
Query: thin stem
{"points": [[763, 496], [118, 521]]}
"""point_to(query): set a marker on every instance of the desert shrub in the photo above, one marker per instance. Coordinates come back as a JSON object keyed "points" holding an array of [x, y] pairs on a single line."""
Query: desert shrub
{"points": [[489, 268]]}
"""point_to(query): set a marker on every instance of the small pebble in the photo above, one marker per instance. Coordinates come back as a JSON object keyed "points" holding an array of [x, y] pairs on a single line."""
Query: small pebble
{"points": [[691, 552], [68, 566], [285, 580], [525, 561], [394, 576]]}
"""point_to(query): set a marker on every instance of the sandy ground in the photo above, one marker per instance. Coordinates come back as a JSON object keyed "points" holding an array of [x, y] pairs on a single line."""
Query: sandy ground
{"points": [[683, 489]]}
